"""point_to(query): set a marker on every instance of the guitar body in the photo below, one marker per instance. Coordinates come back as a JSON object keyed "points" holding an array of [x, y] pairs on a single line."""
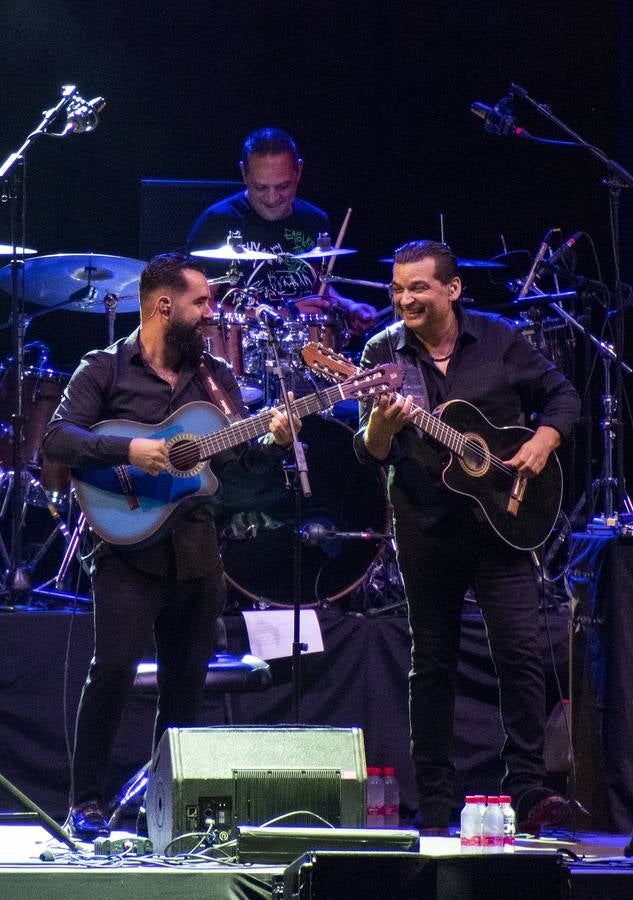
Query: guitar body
{"points": [[474, 476], [100, 491]]}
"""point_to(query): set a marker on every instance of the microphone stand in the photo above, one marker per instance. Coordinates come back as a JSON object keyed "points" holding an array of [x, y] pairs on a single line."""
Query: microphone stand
{"points": [[616, 179], [18, 582], [301, 487], [610, 422]]}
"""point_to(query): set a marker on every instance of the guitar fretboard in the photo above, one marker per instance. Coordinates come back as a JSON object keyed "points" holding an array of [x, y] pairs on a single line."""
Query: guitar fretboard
{"points": [[439, 430], [256, 426]]}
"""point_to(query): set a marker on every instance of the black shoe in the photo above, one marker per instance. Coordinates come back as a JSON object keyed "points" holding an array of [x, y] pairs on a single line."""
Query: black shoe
{"points": [[551, 812], [87, 822]]}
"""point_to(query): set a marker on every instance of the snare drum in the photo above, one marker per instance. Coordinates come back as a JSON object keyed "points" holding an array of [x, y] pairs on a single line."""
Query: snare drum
{"points": [[41, 392]]}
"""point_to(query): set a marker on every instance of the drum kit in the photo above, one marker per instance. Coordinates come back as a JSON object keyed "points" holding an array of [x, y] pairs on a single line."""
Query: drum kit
{"points": [[257, 532]]}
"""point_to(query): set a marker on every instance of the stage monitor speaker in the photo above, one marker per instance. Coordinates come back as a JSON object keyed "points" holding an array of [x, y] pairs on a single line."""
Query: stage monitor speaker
{"points": [[247, 775]]}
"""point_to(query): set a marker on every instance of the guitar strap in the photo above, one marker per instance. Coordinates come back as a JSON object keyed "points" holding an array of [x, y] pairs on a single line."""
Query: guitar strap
{"points": [[217, 395], [413, 382]]}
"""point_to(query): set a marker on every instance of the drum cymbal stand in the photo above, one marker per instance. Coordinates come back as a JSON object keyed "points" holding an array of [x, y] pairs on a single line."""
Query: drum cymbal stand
{"points": [[300, 483]]}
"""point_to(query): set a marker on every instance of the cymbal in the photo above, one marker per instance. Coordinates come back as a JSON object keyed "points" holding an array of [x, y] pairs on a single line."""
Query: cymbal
{"points": [[79, 282], [466, 263], [318, 253], [7, 250], [231, 251]]}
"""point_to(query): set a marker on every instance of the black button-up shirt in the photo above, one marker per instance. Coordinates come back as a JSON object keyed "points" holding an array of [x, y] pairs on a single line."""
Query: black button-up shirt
{"points": [[117, 383], [493, 367]]}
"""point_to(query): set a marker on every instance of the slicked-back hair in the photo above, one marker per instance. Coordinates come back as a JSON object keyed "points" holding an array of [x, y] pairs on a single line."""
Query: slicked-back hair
{"points": [[445, 259], [269, 142], [167, 271]]}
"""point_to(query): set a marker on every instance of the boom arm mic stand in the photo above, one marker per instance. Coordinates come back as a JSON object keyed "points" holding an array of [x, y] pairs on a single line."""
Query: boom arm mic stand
{"points": [[616, 179]]}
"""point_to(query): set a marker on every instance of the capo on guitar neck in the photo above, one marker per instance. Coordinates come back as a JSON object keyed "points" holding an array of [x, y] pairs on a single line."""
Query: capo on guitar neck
{"points": [[516, 495]]}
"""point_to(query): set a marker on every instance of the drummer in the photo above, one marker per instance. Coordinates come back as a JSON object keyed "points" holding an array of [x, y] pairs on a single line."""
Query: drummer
{"points": [[270, 217]]}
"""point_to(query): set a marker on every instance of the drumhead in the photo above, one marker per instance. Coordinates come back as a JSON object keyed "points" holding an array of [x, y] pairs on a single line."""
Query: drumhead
{"points": [[256, 532]]}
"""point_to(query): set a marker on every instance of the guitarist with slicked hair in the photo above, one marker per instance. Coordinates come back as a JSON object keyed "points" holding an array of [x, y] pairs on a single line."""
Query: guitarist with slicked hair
{"points": [[464, 487], [172, 585]]}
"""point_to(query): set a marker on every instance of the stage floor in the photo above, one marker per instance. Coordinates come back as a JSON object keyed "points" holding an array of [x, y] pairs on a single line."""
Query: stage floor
{"points": [[591, 865]]}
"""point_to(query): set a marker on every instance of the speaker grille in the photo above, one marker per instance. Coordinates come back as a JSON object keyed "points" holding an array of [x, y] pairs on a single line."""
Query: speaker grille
{"points": [[262, 795]]}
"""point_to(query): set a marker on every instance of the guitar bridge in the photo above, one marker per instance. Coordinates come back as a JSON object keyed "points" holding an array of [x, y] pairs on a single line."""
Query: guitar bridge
{"points": [[516, 495], [126, 487]]}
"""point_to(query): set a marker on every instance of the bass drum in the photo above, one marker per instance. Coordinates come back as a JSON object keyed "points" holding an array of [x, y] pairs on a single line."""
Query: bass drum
{"points": [[257, 536]]}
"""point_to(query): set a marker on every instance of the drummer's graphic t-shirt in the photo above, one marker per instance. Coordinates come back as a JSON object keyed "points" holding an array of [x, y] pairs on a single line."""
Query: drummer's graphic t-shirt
{"points": [[275, 280]]}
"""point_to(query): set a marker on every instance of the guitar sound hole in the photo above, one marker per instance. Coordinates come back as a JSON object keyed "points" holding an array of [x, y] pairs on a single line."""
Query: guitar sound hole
{"points": [[184, 455], [476, 458]]}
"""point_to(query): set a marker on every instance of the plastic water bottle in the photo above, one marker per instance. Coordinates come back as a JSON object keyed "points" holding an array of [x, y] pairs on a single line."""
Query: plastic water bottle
{"points": [[375, 799], [509, 823], [492, 830], [392, 798], [470, 829]]}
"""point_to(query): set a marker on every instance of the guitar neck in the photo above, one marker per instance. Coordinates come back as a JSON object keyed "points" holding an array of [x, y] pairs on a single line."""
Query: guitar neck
{"points": [[435, 428], [256, 426]]}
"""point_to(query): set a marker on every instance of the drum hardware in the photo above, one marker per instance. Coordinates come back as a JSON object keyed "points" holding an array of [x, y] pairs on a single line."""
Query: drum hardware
{"points": [[323, 248]]}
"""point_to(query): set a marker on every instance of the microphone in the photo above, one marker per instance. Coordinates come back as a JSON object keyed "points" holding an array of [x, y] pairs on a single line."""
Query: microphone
{"points": [[536, 262], [83, 115], [499, 118], [316, 533], [268, 316], [558, 256]]}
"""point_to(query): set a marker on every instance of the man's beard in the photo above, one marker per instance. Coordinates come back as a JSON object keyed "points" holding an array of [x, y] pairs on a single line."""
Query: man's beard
{"points": [[187, 340]]}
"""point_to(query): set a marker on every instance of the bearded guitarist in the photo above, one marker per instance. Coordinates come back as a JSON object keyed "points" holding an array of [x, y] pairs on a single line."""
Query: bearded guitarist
{"points": [[445, 543], [174, 586]]}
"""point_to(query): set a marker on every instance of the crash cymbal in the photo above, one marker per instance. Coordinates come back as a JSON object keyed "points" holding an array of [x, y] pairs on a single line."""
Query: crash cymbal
{"points": [[466, 263], [318, 252], [79, 281], [7, 250], [233, 251]]}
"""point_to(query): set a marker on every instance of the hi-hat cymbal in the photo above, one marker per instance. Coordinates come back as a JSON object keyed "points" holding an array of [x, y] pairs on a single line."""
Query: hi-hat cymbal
{"points": [[233, 251], [7, 250], [318, 253], [465, 263], [79, 282]]}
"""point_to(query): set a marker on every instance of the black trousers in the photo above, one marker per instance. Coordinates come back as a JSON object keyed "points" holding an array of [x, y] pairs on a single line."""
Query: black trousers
{"points": [[437, 569], [128, 606]]}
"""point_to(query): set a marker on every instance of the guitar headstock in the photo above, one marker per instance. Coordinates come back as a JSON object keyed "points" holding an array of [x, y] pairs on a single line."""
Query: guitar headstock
{"points": [[366, 383], [327, 363]]}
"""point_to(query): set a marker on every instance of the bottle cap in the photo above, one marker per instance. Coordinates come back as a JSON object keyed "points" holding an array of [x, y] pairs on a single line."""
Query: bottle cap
{"points": [[494, 799], [389, 770], [373, 770], [505, 798]]}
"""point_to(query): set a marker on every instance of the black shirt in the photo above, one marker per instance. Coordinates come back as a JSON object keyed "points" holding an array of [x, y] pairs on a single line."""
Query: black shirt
{"points": [[493, 367], [273, 279], [117, 383]]}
